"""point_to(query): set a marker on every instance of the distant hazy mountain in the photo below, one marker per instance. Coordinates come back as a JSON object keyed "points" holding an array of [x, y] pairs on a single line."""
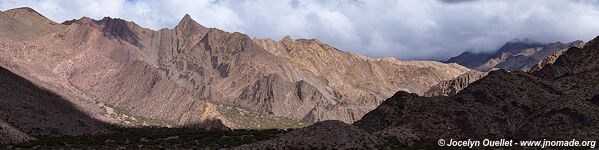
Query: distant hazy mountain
{"points": [[193, 74], [515, 55]]}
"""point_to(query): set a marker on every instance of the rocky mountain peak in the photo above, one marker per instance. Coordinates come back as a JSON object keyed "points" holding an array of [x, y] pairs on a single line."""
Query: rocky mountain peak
{"points": [[106, 21], [187, 23], [17, 24], [286, 39], [120, 28], [82, 21], [515, 47], [190, 29], [24, 11], [577, 42], [111, 27], [593, 44], [28, 15]]}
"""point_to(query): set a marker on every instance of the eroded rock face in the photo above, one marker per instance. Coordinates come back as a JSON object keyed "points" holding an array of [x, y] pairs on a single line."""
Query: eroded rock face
{"points": [[168, 75], [453, 86], [555, 102]]}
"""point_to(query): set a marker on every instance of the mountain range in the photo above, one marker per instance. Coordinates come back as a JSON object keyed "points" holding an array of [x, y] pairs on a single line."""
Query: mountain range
{"points": [[122, 73], [87, 78]]}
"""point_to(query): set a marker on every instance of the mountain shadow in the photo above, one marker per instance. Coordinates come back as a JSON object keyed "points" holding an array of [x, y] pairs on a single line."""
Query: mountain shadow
{"points": [[28, 111]]}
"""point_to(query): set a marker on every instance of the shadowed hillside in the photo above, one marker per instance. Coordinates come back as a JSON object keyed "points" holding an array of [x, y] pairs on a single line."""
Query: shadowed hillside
{"points": [[28, 111]]}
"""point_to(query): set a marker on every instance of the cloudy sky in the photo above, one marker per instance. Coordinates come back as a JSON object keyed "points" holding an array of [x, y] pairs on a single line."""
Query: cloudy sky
{"points": [[406, 29]]}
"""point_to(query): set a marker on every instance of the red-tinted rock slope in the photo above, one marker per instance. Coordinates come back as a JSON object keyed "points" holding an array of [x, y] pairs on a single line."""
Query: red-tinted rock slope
{"points": [[191, 73]]}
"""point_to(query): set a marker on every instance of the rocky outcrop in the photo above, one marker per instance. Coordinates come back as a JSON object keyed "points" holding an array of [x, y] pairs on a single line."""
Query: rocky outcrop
{"points": [[321, 135], [167, 75], [555, 102], [453, 86]]}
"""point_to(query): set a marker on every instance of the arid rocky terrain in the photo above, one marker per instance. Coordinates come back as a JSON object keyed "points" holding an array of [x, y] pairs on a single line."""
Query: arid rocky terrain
{"points": [[112, 84], [118, 72]]}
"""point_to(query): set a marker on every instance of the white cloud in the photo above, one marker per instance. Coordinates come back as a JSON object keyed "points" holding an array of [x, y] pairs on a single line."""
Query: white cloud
{"points": [[406, 29]]}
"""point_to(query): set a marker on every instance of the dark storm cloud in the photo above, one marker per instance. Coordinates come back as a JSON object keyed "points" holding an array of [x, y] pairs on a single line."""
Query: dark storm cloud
{"points": [[408, 29]]}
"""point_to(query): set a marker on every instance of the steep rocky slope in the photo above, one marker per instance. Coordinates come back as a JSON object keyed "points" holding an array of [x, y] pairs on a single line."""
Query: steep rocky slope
{"points": [[556, 102], [516, 55], [191, 73]]}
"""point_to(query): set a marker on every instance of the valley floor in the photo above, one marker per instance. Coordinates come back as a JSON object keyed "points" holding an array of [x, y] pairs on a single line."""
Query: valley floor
{"points": [[153, 138]]}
